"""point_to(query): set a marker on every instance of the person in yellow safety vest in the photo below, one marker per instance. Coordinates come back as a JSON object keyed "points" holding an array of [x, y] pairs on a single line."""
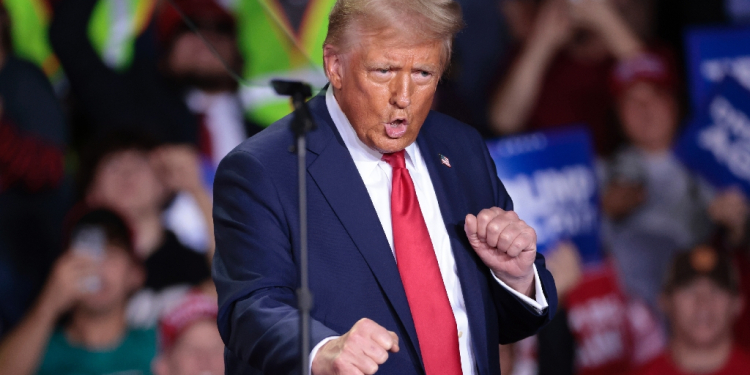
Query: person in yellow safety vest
{"points": [[279, 39], [113, 28], [115, 25], [29, 21]]}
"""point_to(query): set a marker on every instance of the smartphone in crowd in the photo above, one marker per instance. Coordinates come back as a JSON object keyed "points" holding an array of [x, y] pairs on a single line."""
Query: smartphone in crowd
{"points": [[90, 241]]}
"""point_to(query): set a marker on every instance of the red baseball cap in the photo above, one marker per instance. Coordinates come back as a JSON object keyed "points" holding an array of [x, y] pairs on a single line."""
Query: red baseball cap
{"points": [[649, 67], [195, 306]]}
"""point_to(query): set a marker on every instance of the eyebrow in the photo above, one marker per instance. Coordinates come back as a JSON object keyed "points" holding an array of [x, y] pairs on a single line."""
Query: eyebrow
{"points": [[380, 65], [425, 67], [390, 65]]}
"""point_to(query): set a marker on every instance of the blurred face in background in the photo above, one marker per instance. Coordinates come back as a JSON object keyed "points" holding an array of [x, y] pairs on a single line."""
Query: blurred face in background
{"points": [[127, 182], [119, 277], [649, 116], [193, 63], [702, 313], [198, 351]]}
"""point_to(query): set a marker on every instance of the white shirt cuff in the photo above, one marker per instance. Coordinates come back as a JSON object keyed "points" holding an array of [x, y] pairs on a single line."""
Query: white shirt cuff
{"points": [[315, 351], [541, 301]]}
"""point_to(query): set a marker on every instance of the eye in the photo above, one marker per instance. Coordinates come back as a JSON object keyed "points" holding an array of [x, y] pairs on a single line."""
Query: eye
{"points": [[377, 72], [423, 76]]}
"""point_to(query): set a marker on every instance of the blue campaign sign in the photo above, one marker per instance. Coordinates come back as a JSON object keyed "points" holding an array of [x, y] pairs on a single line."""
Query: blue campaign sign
{"points": [[714, 54], [551, 178], [716, 144]]}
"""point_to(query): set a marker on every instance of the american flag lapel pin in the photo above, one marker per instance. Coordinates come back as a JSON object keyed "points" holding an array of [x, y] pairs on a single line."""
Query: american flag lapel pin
{"points": [[444, 160]]}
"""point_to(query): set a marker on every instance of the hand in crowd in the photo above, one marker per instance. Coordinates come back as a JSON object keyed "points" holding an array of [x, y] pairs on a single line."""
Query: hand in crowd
{"points": [[65, 285], [359, 351], [506, 244], [552, 26], [592, 14], [601, 17], [620, 199], [564, 262], [730, 209], [179, 167]]}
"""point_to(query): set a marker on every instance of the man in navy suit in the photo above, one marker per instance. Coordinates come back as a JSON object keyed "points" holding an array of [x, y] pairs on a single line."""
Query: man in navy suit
{"points": [[406, 279]]}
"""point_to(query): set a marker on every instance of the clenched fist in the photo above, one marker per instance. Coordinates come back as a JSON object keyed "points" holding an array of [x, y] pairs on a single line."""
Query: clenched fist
{"points": [[359, 351], [506, 244]]}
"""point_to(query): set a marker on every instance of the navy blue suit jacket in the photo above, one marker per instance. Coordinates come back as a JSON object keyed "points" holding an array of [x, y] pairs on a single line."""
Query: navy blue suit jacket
{"points": [[353, 273]]}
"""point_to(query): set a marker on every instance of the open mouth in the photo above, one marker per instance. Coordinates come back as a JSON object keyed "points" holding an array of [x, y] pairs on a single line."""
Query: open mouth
{"points": [[396, 128]]}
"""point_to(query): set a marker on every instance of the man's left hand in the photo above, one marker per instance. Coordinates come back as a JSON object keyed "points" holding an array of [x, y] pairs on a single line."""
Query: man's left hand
{"points": [[506, 244]]}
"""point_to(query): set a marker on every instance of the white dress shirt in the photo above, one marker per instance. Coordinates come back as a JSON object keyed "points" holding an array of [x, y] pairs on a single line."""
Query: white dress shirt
{"points": [[224, 120], [376, 174]]}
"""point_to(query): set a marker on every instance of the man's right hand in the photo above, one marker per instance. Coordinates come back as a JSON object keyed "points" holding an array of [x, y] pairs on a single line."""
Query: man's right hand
{"points": [[359, 351]]}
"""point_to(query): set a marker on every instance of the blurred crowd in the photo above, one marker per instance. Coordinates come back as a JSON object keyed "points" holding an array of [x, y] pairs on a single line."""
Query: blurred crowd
{"points": [[114, 115]]}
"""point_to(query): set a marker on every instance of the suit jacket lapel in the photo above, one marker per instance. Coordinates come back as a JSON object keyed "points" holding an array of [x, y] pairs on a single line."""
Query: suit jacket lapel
{"points": [[338, 179], [453, 208]]}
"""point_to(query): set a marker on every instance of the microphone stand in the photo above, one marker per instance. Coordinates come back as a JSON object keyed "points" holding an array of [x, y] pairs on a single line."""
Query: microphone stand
{"points": [[302, 123]]}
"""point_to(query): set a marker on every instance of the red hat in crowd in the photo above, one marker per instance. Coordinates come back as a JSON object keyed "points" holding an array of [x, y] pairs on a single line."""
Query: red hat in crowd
{"points": [[646, 67], [195, 307], [203, 13]]}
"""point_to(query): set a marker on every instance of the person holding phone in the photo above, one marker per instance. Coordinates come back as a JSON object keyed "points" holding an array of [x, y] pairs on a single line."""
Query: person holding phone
{"points": [[78, 323]]}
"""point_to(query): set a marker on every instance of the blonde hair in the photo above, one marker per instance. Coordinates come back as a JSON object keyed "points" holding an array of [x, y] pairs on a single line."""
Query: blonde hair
{"points": [[431, 19]]}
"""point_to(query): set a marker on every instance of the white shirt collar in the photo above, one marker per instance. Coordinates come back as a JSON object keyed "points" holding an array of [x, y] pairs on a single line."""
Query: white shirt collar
{"points": [[365, 158]]}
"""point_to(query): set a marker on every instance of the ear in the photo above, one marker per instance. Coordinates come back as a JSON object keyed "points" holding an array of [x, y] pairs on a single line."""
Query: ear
{"points": [[333, 65]]}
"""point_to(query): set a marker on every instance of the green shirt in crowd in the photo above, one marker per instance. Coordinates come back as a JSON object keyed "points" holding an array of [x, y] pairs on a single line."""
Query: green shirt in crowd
{"points": [[132, 356]]}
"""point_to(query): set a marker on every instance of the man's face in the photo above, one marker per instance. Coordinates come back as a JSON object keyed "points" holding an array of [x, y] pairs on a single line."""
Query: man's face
{"points": [[198, 351], [385, 85], [126, 182], [648, 115], [702, 313], [119, 276]]}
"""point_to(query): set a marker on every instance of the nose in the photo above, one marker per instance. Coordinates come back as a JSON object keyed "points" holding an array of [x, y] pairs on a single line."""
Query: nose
{"points": [[402, 88]]}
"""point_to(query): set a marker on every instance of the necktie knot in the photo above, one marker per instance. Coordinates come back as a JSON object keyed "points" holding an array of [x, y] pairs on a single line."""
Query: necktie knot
{"points": [[395, 159]]}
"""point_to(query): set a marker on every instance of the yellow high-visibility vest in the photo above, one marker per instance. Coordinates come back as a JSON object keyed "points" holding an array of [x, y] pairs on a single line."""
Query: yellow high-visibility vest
{"points": [[115, 25], [269, 45], [29, 29], [272, 49]]}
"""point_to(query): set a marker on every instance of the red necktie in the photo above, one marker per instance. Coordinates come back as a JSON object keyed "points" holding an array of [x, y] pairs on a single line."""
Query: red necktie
{"points": [[420, 275]]}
